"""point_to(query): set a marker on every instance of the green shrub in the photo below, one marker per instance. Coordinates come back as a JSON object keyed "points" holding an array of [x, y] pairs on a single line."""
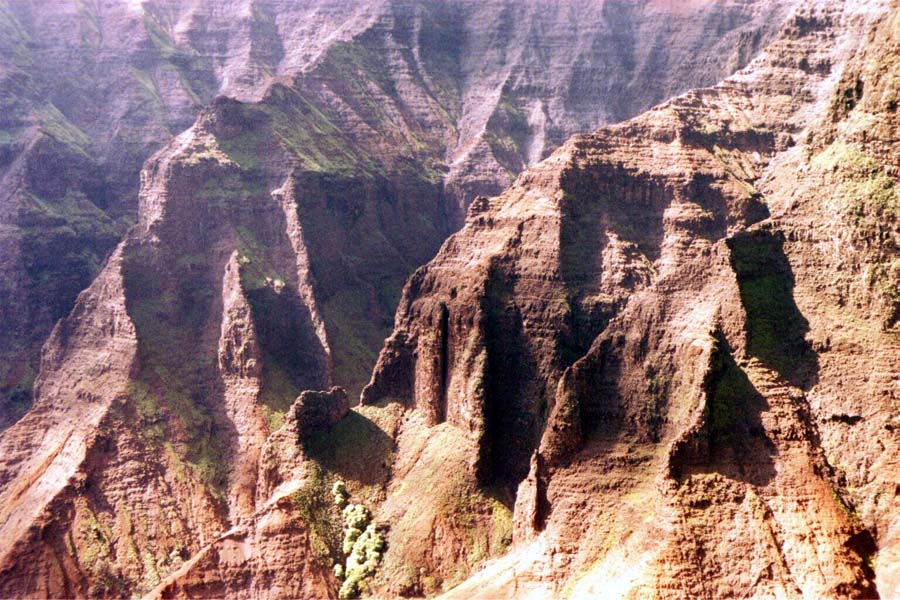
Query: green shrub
{"points": [[356, 518], [363, 544], [340, 493], [362, 561]]}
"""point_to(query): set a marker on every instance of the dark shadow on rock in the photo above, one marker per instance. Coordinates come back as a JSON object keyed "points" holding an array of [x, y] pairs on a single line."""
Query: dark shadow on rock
{"points": [[513, 399], [863, 544], [293, 355], [596, 382], [356, 449], [732, 440], [776, 330]]}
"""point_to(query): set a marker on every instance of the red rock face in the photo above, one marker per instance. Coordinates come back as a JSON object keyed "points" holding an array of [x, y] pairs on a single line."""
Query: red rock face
{"points": [[453, 91], [639, 335], [663, 362]]}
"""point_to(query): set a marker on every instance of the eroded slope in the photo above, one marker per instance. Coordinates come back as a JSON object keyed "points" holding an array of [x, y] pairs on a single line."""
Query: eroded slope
{"points": [[675, 339], [478, 90]]}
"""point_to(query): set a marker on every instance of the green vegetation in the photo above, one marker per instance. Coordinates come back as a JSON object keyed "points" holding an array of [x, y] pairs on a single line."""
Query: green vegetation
{"points": [[148, 84], [356, 339], [439, 54], [507, 134], [157, 399], [869, 197], [851, 515], [732, 408], [362, 561], [362, 78], [284, 342], [245, 148], [308, 133], [726, 399], [172, 393], [363, 544], [356, 548], [318, 513], [64, 241], [90, 26], [163, 42], [96, 538], [182, 61], [485, 519], [865, 193], [96, 551], [14, 39], [360, 60], [340, 494], [301, 128], [356, 448], [55, 124], [475, 522]]}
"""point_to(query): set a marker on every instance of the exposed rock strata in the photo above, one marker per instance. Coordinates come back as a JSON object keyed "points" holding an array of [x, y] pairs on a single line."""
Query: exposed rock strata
{"points": [[634, 347], [650, 337], [451, 89]]}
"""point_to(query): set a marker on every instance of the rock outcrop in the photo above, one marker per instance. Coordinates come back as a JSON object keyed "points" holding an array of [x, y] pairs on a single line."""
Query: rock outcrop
{"points": [[464, 94], [317, 411], [663, 363], [675, 340]]}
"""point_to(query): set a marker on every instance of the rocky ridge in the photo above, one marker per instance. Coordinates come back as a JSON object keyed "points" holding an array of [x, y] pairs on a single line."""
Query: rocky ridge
{"points": [[627, 347], [92, 89], [675, 340]]}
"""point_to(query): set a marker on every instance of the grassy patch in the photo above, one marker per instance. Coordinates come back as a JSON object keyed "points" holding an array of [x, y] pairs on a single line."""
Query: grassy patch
{"points": [[361, 60], [64, 243], [355, 337], [174, 391], [440, 55], [864, 192], [507, 134], [245, 148], [307, 132], [356, 449], [316, 507], [485, 521], [147, 83], [727, 397], [14, 39], [358, 74], [300, 126], [55, 124]]}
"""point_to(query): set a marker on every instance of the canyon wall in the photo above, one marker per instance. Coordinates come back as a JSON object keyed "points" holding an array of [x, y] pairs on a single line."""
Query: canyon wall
{"points": [[674, 341], [468, 93], [663, 363]]}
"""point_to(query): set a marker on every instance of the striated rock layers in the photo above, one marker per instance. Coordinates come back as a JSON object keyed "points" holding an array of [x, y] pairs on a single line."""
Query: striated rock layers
{"points": [[462, 94], [663, 363], [675, 341]]}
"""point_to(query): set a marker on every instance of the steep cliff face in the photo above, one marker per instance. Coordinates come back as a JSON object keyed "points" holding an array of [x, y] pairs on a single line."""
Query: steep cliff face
{"points": [[90, 91], [675, 340], [629, 367], [468, 93]]}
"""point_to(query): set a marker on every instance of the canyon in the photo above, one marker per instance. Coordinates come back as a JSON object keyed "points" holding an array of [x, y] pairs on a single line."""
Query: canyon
{"points": [[452, 99], [661, 359]]}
